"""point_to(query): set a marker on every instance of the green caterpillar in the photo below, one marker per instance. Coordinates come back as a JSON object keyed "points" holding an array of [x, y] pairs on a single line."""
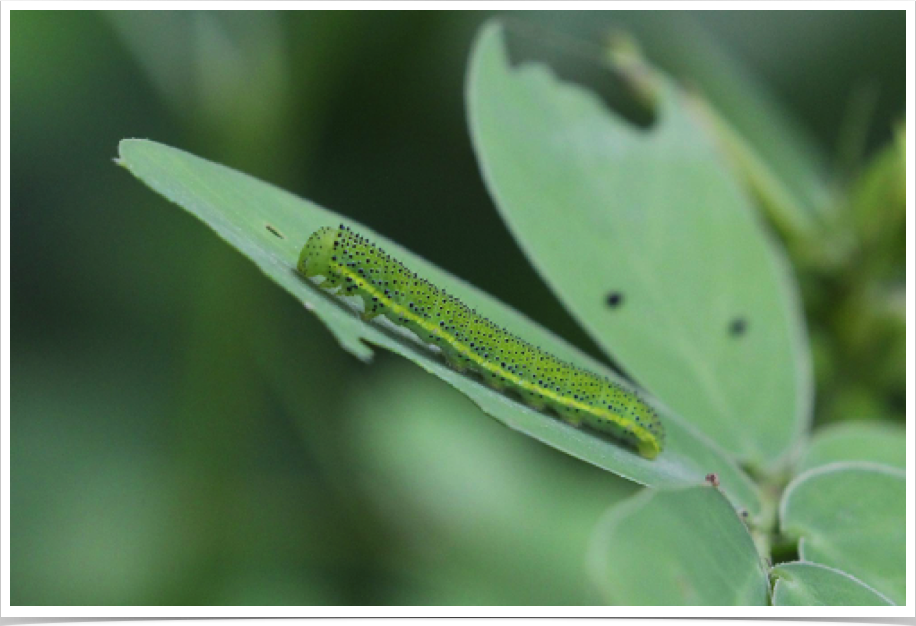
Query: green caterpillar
{"points": [[471, 342]]}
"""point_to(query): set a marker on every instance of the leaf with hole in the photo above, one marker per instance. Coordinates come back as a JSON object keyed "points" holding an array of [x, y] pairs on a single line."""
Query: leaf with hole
{"points": [[651, 244]]}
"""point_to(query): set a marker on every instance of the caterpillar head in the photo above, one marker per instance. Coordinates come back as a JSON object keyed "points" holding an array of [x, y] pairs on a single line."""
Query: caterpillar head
{"points": [[315, 258]]}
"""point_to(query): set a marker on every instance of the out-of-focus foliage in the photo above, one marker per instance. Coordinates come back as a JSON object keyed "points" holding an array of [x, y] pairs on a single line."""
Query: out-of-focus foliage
{"points": [[810, 584], [851, 516], [454, 519], [871, 441], [156, 459], [677, 547]]}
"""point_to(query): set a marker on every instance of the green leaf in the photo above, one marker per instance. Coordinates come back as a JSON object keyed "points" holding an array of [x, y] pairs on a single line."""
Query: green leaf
{"points": [[851, 516], [246, 213], [784, 209], [794, 165], [677, 547], [651, 245], [857, 441], [810, 584]]}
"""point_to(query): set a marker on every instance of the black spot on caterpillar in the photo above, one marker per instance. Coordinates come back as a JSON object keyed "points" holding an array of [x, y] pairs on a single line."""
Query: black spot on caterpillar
{"points": [[468, 341]]}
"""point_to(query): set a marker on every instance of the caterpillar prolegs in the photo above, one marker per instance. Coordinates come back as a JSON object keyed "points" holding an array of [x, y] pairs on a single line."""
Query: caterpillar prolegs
{"points": [[356, 267]]}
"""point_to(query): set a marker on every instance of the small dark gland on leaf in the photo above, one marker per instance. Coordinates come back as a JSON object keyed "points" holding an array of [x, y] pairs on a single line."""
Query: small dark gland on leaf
{"points": [[738, 327], [614, 299], [713, 479], [744, 513], [274, 231]]}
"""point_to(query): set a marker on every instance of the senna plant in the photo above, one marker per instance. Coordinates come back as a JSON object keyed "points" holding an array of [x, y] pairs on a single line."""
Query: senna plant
{"points": [[659, 242]]}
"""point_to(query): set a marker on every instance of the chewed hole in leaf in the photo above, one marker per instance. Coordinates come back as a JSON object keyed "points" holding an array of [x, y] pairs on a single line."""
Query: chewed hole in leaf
{"points": [[586, 63]]}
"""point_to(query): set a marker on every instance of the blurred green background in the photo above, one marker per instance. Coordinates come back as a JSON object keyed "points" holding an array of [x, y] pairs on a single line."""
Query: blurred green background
{"points": [[184, 433]]}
